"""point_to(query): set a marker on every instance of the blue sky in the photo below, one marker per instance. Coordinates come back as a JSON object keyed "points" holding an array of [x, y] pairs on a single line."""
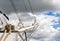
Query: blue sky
{"points": [[50, 13]]}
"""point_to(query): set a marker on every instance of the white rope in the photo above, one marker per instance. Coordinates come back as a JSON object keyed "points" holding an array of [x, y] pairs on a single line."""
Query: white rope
{"points": [[1, 38]]}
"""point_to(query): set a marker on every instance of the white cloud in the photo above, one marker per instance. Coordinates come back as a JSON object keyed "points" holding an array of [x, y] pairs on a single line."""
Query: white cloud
{"points": [[45, 31], [56, 2]]}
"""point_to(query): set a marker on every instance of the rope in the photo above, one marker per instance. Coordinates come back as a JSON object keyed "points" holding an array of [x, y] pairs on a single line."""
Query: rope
{"points": [[30, 6], [13, 6], [8, 33], [20, 36], [2, 35], [25, 6], [16, 13], [6, 36]]}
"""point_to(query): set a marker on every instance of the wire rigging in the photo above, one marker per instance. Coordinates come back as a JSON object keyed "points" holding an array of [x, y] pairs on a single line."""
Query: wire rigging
{"points": [[25, 6], [16, 11], [34, 16], [30, 6], [17, 16]]}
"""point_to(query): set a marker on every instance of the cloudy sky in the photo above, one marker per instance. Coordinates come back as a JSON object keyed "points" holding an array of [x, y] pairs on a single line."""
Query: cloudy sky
{"points": [[37, 5], [47, 13]]}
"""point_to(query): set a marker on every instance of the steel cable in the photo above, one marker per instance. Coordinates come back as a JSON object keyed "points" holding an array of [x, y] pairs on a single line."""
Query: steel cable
{"points": [[17, 14]]}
